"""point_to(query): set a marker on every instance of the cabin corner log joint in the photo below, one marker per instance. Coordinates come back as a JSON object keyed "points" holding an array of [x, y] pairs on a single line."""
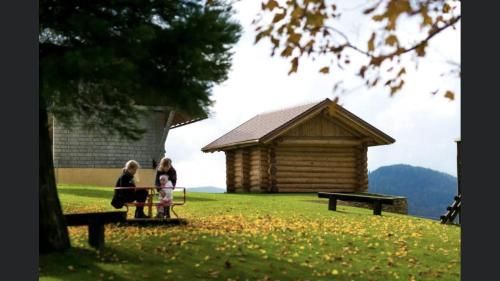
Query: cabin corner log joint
{"points": [[309, 148]]}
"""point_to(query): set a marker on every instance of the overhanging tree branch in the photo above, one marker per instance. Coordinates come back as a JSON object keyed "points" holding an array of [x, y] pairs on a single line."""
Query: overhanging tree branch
{"points": [[434, 31]]}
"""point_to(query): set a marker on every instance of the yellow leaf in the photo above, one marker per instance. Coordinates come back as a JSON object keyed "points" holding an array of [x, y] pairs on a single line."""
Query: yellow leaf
{"points": [[295, 65], [391, 40], [316, 20], [294, 38], [371, 43], [378, 17], [450, 95], [420, 50], [324, 70], [335, 272], [279, 17], [402, 71], [297, 13], [377, 60], [287, 52], [427, 20], [271, 4], [262, 34], [362, 71], [446, 8]]}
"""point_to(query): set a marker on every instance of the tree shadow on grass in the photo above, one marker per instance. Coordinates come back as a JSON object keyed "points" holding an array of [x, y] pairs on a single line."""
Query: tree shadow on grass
{"points": [[236, 264], [78, 264], [93, 193]]}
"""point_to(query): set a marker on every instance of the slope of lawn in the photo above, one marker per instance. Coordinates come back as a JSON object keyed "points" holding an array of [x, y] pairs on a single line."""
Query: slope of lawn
{"points": [[257, 237]]}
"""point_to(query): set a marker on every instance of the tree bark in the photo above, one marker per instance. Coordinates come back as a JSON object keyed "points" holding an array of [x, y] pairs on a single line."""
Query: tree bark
{"points": [[53, 232]]}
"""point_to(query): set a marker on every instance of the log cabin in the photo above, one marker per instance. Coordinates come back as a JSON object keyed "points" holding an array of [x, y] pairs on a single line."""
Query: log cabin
{"points": [[314, 147]]}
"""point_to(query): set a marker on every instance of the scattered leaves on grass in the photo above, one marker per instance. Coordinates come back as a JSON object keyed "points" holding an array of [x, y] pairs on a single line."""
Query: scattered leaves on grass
{"points": [[303, 237]]}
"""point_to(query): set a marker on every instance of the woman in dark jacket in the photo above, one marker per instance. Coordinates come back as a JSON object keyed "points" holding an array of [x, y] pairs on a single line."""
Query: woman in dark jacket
{"points": [[165, 168], [129, 195]]}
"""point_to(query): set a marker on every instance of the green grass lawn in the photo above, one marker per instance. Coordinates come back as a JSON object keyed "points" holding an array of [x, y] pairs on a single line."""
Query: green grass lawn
{"points": [[257, 237]]}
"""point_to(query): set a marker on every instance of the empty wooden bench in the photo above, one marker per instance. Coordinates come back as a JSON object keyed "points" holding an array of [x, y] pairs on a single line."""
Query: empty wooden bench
{"points": [[95, 222], [376, 200]]}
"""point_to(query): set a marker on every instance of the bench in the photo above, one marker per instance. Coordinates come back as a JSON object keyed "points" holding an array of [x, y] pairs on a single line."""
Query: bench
{"points": [[149, 201], [375, 199], [95, 222]]}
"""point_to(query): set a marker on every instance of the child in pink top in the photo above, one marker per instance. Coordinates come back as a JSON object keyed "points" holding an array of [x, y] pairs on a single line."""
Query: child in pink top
{"points": [[166, 197]]}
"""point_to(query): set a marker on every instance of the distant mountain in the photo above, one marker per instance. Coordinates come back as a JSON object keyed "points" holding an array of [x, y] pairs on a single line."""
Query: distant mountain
{"points": [[207, 189], [428, 192]]}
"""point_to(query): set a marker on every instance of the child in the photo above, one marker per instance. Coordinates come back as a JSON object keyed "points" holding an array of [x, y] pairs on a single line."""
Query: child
{"points": [[165, 197]]}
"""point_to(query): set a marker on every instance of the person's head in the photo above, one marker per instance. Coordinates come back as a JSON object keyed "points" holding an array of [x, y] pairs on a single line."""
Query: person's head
{"points": [[163, 179], [131, 167], [165, 164]]}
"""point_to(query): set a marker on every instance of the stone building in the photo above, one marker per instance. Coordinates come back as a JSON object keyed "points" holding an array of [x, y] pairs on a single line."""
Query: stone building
{"points": [[90, 157]]}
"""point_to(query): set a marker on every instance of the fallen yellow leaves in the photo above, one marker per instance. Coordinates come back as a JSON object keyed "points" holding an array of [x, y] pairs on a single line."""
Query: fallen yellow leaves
{"points": [[273, 243]]}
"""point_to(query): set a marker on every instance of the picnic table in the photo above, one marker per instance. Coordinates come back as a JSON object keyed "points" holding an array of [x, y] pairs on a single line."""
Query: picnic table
{"points": [[376, 199], [152, 192]]}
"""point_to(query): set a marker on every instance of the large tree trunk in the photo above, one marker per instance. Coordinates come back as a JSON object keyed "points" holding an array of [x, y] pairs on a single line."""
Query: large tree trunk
{"points": [[53, 232]]}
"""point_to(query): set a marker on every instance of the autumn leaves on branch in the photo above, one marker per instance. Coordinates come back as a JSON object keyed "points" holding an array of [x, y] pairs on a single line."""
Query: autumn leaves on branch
{"points": [[310, 27]]}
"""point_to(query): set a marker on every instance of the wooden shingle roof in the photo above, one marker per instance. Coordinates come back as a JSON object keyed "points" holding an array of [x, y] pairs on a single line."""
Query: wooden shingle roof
{"points": [[266, 126], [181, 119]]}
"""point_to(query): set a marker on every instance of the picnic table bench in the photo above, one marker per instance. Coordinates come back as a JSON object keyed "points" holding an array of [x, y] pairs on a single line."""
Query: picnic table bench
{"points": [[376, 199], [152, 191], [95, 222]]}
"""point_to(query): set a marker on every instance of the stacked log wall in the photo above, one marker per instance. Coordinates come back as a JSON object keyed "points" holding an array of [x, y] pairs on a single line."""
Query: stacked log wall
{"points": [[312, 169], [230, 171], [362, 168], [272, 169], [322, 154], [238, 170], [245, 166], [258, 169], [254, 169]]}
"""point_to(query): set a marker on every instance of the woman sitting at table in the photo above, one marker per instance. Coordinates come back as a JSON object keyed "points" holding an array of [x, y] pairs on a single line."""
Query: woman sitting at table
{"points": [[129, 195]]}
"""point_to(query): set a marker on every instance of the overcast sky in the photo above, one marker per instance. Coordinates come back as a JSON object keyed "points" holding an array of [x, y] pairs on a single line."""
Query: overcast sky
{"points": [[424, 126]]}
